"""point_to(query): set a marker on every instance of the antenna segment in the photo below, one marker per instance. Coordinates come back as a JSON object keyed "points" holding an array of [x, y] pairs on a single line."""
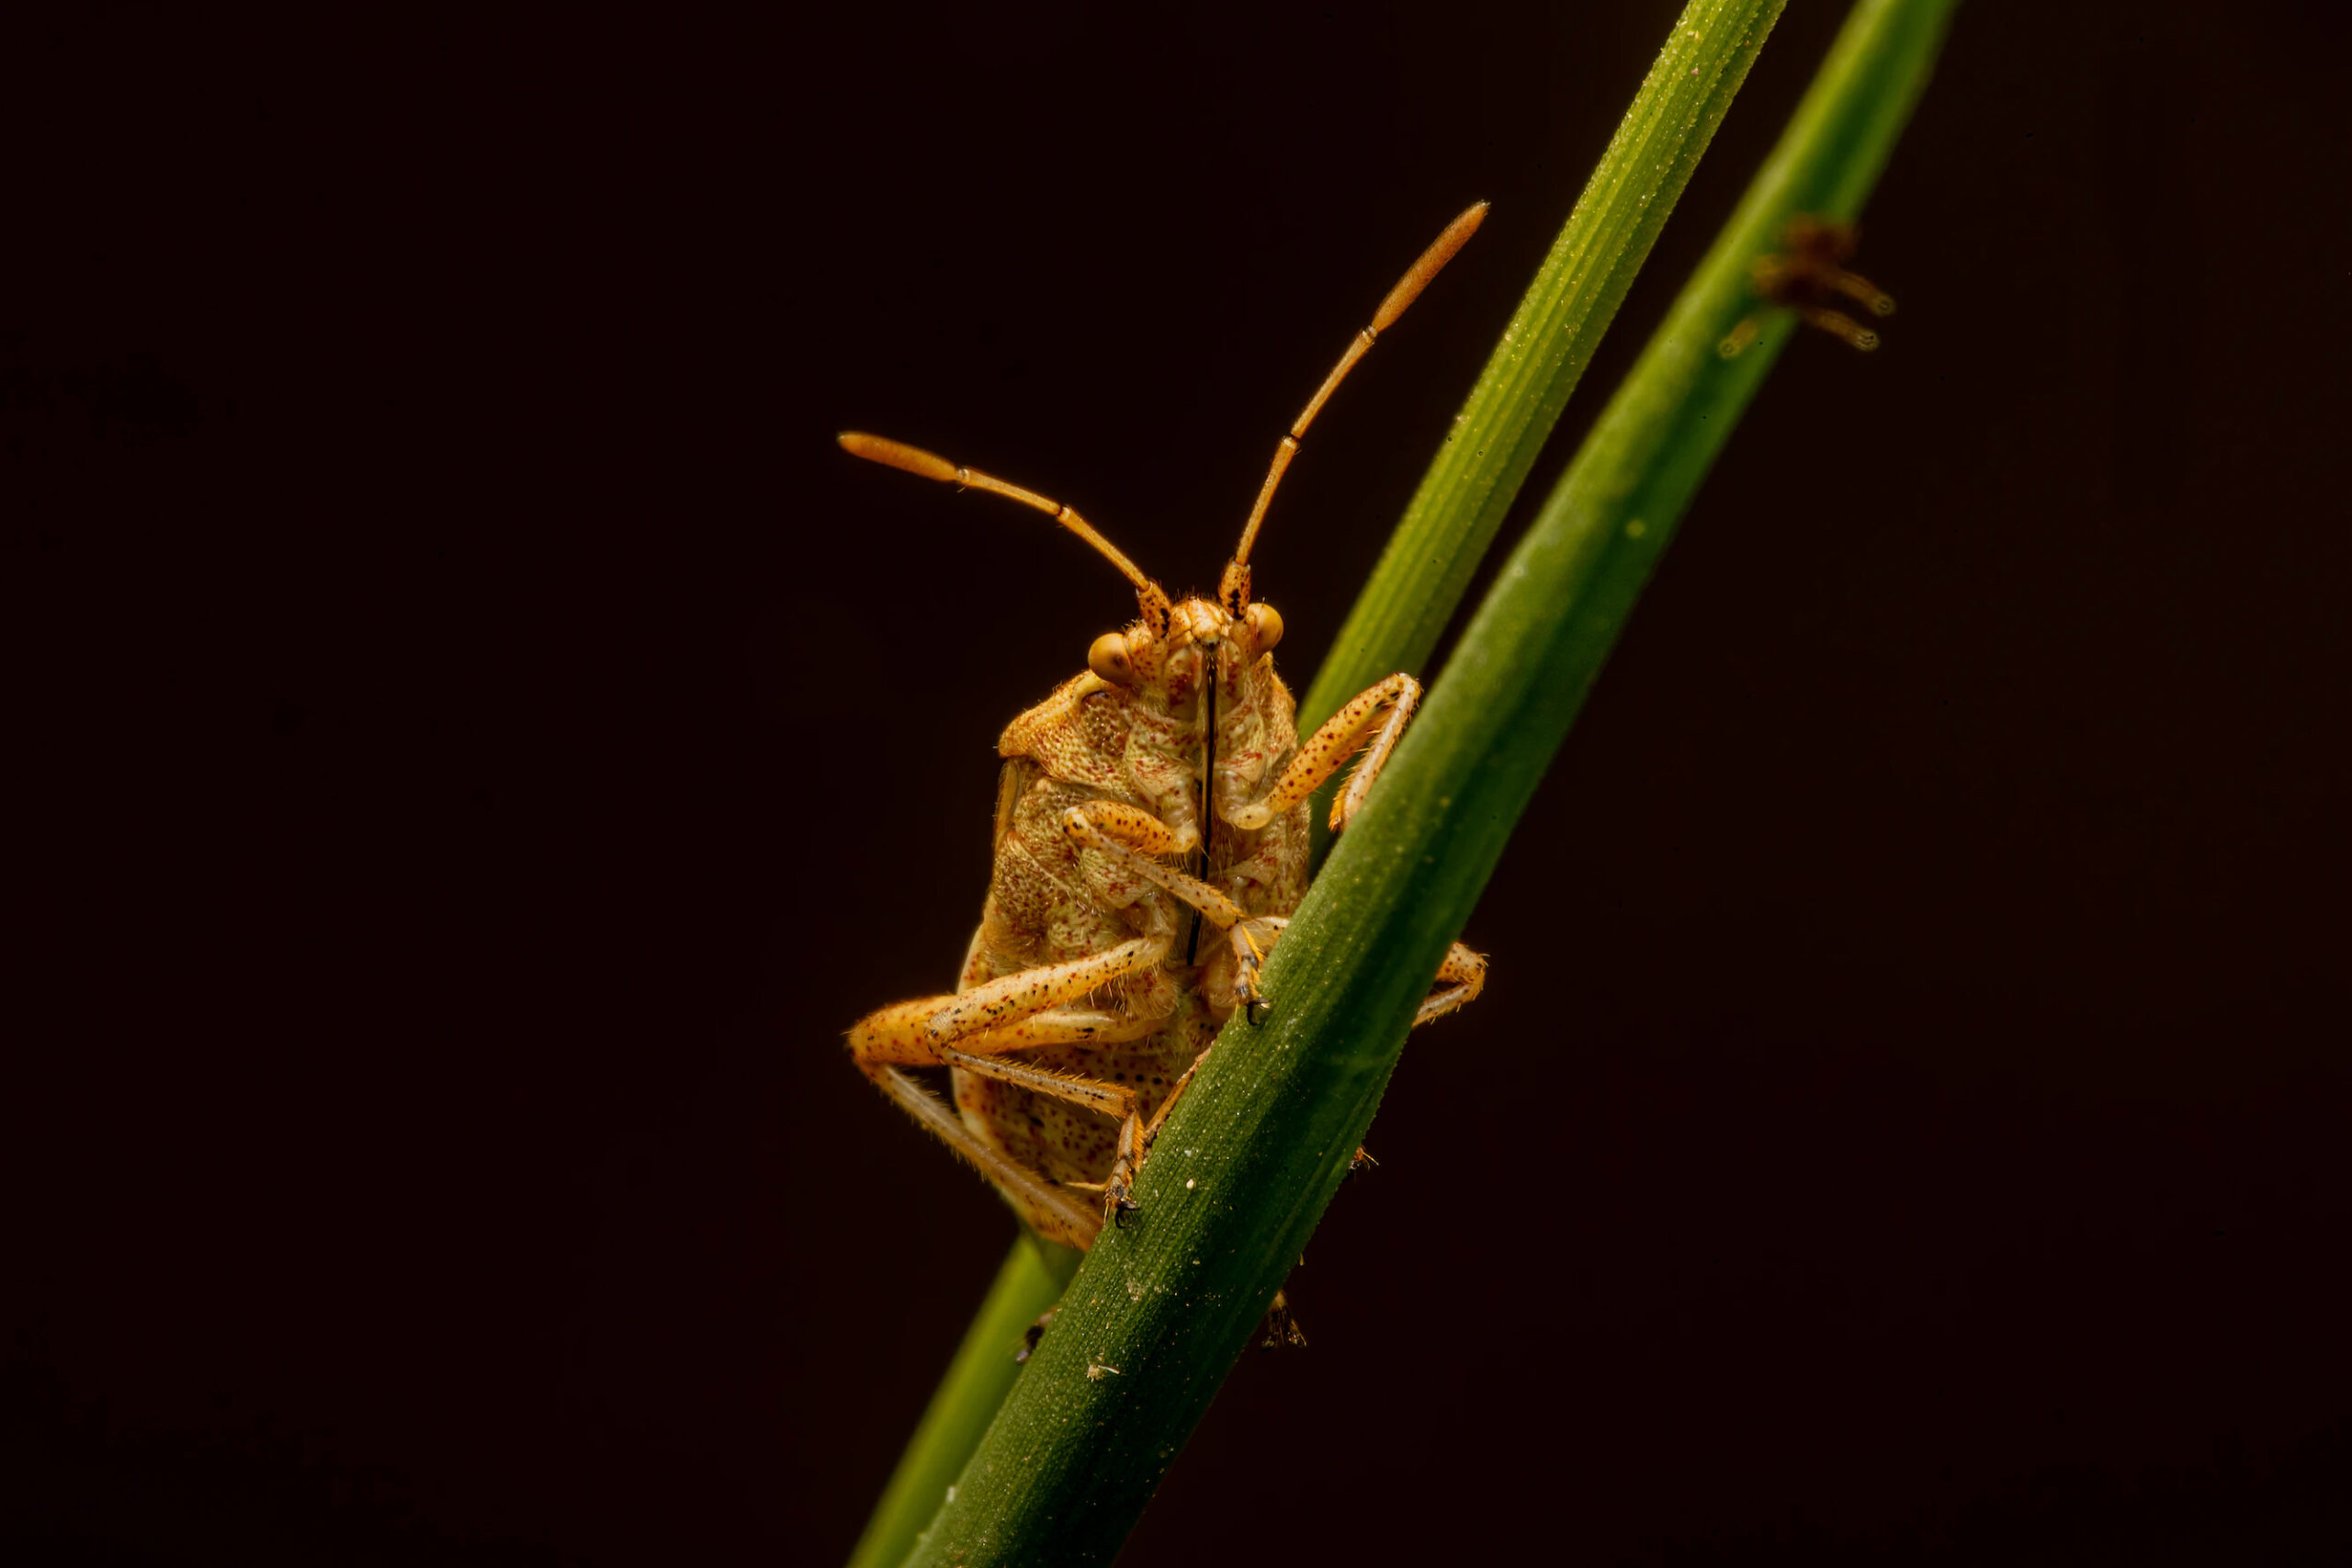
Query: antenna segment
{"points": [[1408, 288]]}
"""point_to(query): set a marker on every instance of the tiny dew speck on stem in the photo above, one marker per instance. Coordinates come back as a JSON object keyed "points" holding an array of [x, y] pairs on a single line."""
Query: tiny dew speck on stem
{"points": [[1086, 1432]]}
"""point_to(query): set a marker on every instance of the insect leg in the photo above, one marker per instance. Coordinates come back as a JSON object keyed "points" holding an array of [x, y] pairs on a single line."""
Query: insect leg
{"points": [[1460, 977], [895, 1035], [1053, 1213], [1090, 1094], [901, 1033], [996, 1004], [1111, 829], [1249, 958], [1098, 829], [1463, 975], [1016, 1012], [1378, 714]]}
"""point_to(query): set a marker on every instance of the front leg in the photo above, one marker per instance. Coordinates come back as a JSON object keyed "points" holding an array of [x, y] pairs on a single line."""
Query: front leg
{"points": [[1126, 839], [1378, 714]]}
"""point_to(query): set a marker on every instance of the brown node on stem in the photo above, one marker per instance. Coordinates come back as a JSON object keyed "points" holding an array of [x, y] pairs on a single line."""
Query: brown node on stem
{"points": [[1808, 276]]}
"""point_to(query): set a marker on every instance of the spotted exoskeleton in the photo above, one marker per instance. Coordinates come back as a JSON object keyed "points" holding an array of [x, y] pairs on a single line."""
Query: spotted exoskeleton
{"points": [[1151, 841]]}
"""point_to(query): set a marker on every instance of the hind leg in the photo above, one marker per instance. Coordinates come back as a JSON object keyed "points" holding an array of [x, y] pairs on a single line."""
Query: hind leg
{"points": [[971, 1030]]}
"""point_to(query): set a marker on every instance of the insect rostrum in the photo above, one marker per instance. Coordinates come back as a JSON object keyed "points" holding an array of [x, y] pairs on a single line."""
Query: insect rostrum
{"points": [[1150, 844]]}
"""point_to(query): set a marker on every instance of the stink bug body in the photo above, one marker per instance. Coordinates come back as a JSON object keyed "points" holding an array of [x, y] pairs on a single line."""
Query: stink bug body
{"points": [[1151, 841]]}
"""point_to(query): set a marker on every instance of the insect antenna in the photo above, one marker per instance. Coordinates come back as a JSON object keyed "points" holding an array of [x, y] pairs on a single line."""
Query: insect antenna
{"points": [[931, 465], [1234, 589]]}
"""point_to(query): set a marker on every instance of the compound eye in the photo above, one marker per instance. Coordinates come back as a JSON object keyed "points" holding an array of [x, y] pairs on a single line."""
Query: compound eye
{"points": [[1265, 625], [1108, 659]]}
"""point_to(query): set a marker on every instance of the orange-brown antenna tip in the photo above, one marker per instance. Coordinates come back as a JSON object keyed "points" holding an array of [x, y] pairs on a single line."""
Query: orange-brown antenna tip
{"points": [[931, 465], [1408, 288], [898, 454]]}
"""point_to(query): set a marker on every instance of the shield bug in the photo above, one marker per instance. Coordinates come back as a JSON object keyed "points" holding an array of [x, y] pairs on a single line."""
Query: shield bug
{"points": [[1151, 841]]}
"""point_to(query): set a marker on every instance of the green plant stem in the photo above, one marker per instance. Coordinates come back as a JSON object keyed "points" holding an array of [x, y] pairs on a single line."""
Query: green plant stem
{"points": [[1494, 442], [1453, 517], [1254, 1151], [1031, 1280]]}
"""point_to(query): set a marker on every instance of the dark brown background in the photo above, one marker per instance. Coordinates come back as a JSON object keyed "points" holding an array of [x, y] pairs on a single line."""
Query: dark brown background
{"points": [[472, 744]]}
